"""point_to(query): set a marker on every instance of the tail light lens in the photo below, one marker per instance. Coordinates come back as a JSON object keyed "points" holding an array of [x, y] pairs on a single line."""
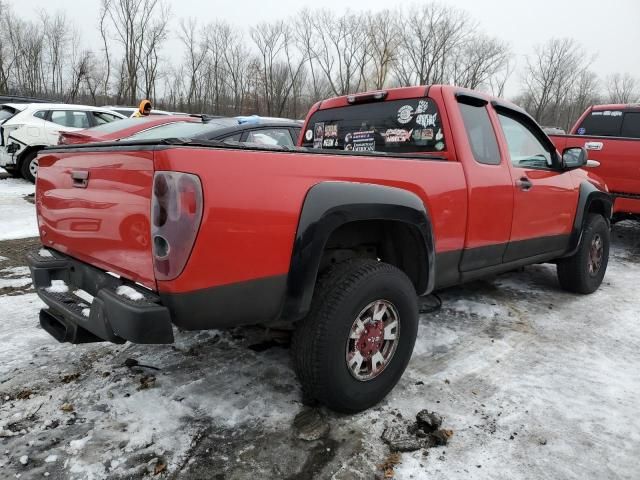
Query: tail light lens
{"points": [[176, 213]]}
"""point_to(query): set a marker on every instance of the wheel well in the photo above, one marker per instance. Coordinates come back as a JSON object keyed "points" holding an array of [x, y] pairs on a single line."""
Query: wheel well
{"points": [[599, 207], [395, 242], [27, 151]]}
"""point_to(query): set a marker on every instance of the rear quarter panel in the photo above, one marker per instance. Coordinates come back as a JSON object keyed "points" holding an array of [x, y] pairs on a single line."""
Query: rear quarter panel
{"points": [[253, 202]]}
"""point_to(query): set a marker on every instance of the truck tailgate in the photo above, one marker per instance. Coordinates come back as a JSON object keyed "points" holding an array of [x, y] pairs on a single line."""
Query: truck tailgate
{"points": [[95, 206]]}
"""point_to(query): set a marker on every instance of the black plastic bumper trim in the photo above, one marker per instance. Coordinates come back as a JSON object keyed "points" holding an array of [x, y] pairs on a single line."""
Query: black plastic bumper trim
{"points": [[111, 318]]}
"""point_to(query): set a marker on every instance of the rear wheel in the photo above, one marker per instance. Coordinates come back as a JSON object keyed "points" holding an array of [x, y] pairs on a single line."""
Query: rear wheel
{"points": [[29, 166], [584, 271], [353, 347]]}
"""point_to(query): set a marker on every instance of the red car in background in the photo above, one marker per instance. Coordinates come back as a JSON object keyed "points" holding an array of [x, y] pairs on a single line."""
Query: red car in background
{"points": [[611, 134], [121, 129]]}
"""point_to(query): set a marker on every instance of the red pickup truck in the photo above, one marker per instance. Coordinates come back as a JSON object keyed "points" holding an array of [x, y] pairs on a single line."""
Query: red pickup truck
{"points": [[390, 195], [611, 135]]}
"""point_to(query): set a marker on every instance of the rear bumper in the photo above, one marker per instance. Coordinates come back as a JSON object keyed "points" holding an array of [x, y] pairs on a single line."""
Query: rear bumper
{"points": [[73, 316]]}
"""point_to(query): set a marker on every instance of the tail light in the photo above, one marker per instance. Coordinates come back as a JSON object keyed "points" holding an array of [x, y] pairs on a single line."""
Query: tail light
{"points": [[176, 213]]}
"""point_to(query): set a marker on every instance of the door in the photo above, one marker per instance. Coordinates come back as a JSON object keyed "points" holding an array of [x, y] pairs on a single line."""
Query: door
{"points": [[545, 199], [490, 192]]}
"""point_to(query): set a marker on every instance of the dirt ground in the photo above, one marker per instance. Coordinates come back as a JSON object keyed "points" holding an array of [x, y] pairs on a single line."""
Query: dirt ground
{"points": [[533, 382]]}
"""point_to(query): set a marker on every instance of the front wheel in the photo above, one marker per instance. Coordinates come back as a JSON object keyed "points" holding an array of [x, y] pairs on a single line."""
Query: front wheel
{"points": [[353, 347], [29, 166], [584, 271]]}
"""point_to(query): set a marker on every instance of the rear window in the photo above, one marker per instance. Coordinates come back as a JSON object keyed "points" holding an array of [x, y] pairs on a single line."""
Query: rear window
{"points": [[398, 126], [6, 113], [603, 123]]}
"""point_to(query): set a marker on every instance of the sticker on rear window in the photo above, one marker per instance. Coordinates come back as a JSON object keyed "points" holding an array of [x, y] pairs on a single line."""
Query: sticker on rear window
{"points": [[423, 106], [582, 131], [318, 135], [439, 146], [330, 139], [405, 114], [397, 135], [360, 141], [308, 136], [423, 135], [427, 119]]}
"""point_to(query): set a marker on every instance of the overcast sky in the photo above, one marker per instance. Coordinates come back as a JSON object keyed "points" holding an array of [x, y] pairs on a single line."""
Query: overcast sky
{"points": [[608, 29]]}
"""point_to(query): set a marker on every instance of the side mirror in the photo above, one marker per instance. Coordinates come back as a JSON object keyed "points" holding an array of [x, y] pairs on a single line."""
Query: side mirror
{"points": [[574, 157]]}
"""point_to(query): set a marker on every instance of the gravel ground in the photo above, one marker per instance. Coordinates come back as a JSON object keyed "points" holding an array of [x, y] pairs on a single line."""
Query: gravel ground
{"points": [[533, 382]]}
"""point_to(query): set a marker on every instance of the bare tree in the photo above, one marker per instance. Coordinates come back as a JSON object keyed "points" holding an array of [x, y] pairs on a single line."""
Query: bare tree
{"points": [[279, 69], [102, 26], [550, 76], [195, 54], [622, 88], [383, 41], [476, 61], [56, 30], [236, 58], [133, 21], [7, 54], [341, 51], [430, 34]]}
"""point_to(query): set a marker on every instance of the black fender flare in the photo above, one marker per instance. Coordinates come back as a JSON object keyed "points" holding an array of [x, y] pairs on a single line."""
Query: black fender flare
{"points": [[329, 205], [588, 196]]}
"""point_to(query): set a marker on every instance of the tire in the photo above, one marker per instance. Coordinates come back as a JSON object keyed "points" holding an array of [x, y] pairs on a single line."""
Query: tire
{"points": [[29, 166], [325, 341], [582, 272]]}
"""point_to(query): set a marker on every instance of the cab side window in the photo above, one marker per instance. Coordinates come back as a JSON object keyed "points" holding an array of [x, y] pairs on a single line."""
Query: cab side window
{"points": [[631, 125], [525, 150], [480, 132]]}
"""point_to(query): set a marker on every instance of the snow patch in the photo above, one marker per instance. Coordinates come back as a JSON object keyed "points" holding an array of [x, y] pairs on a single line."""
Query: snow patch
{"points": [[17, 214], [86, 296], [43, 252], [76, 445], [57, 286], [86, 312], [14, 282], [130, 293], [16, 271], [51, 458]]}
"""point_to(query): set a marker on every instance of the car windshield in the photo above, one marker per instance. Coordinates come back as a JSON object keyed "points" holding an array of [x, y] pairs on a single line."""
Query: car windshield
{"points": [[183, 130]]}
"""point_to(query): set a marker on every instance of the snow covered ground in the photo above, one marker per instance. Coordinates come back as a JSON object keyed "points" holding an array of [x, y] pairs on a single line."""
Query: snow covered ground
{"points": [[535, 383], [17, 214]]}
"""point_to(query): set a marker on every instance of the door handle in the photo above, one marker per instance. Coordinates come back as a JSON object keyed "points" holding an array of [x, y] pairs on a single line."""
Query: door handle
{"points": [[593, 145], [524, 184], [80, 178]]}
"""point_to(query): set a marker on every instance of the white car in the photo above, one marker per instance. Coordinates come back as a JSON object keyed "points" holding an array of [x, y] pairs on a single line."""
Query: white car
{"points": [[27, 128]]}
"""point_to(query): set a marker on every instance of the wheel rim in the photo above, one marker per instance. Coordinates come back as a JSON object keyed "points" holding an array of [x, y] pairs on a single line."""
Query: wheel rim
{"points": [[33, 167], [373, 340], [596, 253]]}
